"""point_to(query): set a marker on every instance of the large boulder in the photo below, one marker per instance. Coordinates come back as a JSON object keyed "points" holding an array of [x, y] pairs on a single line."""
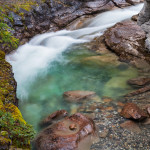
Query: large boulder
{"points": [[126, 39], [67, 134]]}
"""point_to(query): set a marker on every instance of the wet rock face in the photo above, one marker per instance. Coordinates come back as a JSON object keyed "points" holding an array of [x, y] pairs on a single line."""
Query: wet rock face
{"points": [[77, 96], [66, 134], [126, 39], [131, 110]]}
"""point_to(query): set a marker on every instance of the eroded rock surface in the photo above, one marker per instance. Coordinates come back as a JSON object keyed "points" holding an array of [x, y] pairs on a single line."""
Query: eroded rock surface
{"points": [[66, 134], [131, 110], [126, 39]]}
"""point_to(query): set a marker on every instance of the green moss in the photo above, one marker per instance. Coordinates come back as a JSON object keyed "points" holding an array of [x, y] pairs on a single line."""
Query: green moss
{"points": [[2, 55], [20, 133], [27, 5], [6, 37], [7, 82], [4, 141]]}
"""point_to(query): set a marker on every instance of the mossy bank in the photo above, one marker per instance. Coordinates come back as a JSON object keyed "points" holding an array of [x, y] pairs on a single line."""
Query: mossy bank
{"points": [[14, 131]]}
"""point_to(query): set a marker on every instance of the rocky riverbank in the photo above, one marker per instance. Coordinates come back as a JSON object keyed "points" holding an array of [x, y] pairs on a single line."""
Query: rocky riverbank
{"points": [[127, 40], [26, 19], [24, 24]]}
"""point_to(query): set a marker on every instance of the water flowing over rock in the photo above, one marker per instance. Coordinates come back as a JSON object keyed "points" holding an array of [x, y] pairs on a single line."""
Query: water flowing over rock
{"points": [[131, 110], [126, 39], [52, 15], [67, 134], [77, 96]]}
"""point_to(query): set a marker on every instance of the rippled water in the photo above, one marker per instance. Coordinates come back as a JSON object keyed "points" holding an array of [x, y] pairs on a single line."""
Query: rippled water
{"points": [[53, 63]]}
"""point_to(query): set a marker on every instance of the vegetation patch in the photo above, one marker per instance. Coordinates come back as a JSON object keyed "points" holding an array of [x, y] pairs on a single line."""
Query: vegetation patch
{"points": [[20, 133], [11, 120]]}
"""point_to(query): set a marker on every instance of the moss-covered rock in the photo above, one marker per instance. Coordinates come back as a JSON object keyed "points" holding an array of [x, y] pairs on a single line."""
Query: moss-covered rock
{"points": [[11, 120], [20, 133], [7, 82]]}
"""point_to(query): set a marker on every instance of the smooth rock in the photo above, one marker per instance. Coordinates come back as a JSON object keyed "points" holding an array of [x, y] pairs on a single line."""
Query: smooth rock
{"points": [[131, 110], [76, 96], [67, 134], [131, 126]]}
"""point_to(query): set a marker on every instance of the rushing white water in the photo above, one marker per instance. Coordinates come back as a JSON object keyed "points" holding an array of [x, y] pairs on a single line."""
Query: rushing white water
{"points": [[33, 58]]}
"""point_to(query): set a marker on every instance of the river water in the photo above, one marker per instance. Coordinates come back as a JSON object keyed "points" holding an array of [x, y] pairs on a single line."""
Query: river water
{"points": [[55, 62]]}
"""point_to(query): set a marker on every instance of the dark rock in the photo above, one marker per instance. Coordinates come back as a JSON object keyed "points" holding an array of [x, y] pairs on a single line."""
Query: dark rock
{"points": [[135, 17], [131, 110], [76, 96], [6, 20], [126, 39], [66, 134], [54, 117], [17, 20]]}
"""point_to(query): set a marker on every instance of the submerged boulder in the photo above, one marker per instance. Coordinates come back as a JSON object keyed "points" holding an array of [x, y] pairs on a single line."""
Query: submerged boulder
{"points": [[76, 96], [67, 134]]}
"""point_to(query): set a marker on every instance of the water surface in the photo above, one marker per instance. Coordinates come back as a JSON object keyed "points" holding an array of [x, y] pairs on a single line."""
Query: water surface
{"points": [[53, 63]]}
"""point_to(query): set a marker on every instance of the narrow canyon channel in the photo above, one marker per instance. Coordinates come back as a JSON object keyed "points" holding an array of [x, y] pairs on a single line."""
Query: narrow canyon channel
{"points": [[53, 63]]}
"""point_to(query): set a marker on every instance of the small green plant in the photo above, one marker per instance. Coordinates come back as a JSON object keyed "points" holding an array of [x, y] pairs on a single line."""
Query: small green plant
{"points": [[6, 37], [21, 134]]}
